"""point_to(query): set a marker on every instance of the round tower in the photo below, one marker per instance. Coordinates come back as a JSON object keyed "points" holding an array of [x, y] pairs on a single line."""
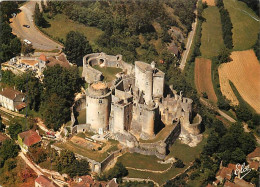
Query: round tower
{"points": [[98, 103]]}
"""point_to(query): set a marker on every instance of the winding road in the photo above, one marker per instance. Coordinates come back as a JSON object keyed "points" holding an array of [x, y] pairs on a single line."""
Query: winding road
{"points": [[38, 39], [189, 42]]}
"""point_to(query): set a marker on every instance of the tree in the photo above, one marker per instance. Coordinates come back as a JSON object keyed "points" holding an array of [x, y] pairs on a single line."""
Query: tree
{"points": [[224, 54], [76, 46], [14, 129], [2, 126], [8, 150], [179, 164], [243, 113], [55, 111], [61, 81], [67, 163], [27, 49], [28, 83], [16, 46], [238, 156], [7, 8]]}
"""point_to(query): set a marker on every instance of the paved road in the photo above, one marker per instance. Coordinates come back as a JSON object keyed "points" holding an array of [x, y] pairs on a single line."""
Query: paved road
{"points": [[25, 17], [188, 44]]}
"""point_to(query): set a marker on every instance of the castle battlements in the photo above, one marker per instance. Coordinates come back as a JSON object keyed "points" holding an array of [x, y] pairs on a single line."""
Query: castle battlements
{"points": [[133, 104]]}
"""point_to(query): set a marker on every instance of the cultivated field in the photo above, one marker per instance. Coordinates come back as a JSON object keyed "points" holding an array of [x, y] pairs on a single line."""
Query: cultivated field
{"points": [[209, 2], [244, 72], [245, 24], [203, 79], [211, 39]]}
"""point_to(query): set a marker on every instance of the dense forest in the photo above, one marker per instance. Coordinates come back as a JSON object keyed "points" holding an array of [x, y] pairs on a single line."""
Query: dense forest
{"points": [[130, 28], [10, 45]]}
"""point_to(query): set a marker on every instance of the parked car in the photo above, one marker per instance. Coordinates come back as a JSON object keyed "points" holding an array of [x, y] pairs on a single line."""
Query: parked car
{"points": [[27, 41], [27, 26]]}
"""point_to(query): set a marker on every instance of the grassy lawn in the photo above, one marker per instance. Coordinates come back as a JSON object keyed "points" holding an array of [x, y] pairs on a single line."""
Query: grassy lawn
{"points": [[61, 25], [108, 72], [140, 161], [161, 135], [157, 177], [211, 40], [245, 28], [95, 155], [184, 152]]}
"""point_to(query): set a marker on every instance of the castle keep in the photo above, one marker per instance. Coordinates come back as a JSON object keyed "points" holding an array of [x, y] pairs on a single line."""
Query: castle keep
{"points": [[133, 109]]}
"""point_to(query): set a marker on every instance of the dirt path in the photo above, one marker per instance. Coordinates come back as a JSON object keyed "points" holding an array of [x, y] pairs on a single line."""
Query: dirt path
{"points": [[30, 164], [210, 106], [11, 112], [188, 44], [38, 39]]}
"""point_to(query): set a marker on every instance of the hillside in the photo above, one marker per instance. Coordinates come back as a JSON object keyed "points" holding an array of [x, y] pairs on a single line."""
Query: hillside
{"points": [[136, 29], [245, 24]]}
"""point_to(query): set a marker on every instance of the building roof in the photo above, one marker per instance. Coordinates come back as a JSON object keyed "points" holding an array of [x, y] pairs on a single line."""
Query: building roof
{"points": [[255, 153], [10, 93], [45, 182], [3, 137], [112, 183], [30, 137], [20, 106], [254, 165], [43, 57], [147, 67], [224, 173], [60, 60], [173, 49], [87, 181], [29, 62], [242, 183]]}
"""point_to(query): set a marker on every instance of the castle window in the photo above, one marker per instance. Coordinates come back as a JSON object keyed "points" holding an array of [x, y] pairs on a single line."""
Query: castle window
{"points": [[146, 83], [100, 101]]}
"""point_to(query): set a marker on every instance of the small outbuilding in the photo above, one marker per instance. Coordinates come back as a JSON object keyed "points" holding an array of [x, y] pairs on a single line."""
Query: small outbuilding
{"points": [[27, 139]]}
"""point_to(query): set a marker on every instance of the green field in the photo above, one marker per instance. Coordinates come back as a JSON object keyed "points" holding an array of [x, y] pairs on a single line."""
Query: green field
{"points": [[61, 25], [92, 154], [140, 161], [109, 73], [178, 150], [211, 39], [245, 28]]}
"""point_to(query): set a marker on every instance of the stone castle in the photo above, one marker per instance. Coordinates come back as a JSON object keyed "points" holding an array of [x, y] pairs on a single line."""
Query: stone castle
{"points": [[133, 109]]}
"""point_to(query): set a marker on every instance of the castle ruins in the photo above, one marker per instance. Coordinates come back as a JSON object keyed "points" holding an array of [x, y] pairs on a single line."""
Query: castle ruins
{"points": [[132, 108]]}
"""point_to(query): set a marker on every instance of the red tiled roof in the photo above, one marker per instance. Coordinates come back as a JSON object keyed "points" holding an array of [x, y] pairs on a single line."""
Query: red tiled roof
{"points": [[45, 182], [10, 93], [224, 173], [242, 183], [232, 166], [88, 181], [3, 137], [229, 184], [30, 137], [20, 106], [112, 183], [254, 165], [255, 153], [53, 61], [43, 57]]}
